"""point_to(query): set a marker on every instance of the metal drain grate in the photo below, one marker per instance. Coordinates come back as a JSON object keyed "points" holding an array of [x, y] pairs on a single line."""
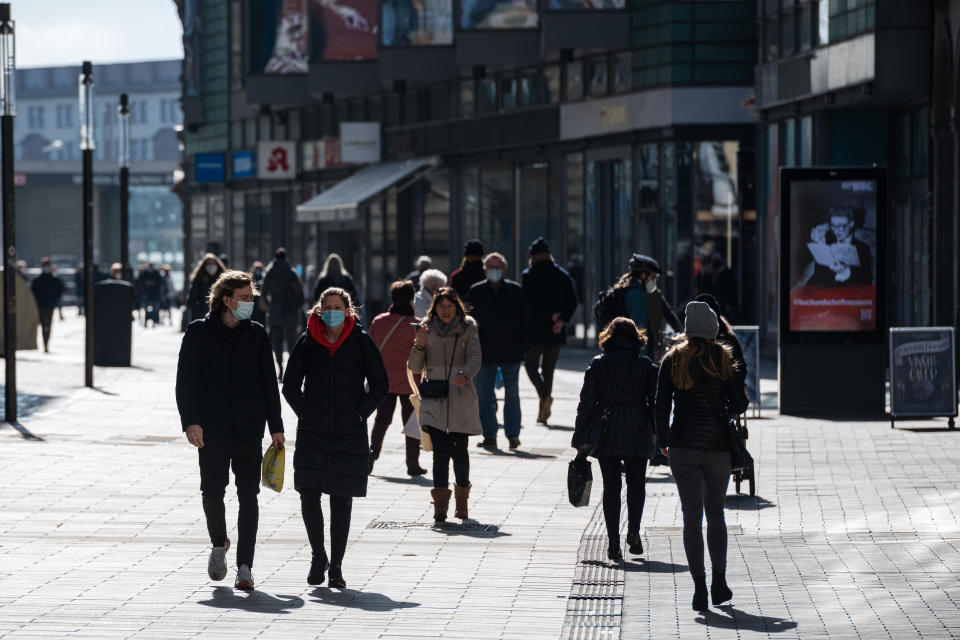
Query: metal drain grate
{"points": [[732, 529], [447, 526]]}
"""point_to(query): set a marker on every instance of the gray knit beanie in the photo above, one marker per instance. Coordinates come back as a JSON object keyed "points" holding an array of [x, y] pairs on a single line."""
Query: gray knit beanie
{"points": [[701, 321]]}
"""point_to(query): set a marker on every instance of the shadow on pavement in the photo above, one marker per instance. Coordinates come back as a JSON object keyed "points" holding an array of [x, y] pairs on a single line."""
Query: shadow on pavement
{"points": [[666, 478], [641, 565], [254, 602], [747, 503], [743, 621], [363, 600], [469, 528], [518, 453], [417, 480], [26, 403], [929, 429], [559, 427], [26, 433]]}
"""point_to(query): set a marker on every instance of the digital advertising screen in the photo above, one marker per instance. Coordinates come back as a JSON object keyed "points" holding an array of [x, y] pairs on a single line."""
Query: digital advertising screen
{"points": [[343, 30], [494, 14], [830, 253], [405, 23]]}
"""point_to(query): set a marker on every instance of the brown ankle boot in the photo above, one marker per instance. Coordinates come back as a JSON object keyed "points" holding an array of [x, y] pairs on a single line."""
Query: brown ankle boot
{"points": [[461, 495], [441, 500]]}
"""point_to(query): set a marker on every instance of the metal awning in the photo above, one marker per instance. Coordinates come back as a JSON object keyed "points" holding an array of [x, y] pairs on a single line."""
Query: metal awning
{"points": [[340, 202]]}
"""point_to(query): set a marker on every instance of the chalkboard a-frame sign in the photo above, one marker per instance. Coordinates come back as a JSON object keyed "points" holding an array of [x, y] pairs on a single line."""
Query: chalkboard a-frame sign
{"points": [[922, 375]]}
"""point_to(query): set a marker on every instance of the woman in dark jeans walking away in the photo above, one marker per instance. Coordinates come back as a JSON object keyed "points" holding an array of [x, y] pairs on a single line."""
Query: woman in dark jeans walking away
{"points": [[623, 383], [447, 347], [698, 377], [393, 333], [324, 384]]}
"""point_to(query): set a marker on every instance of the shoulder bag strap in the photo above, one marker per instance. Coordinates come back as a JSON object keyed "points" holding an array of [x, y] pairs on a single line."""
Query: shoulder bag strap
{"points": [[387, 339], [453, 353]]}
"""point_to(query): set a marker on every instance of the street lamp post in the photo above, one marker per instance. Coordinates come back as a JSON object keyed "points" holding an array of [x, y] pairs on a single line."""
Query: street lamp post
{"points": [[87, 145], [123, 117], [8, 72]]}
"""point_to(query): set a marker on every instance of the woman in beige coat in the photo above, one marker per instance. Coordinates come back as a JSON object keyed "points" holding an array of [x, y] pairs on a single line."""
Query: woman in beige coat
{"points": [[448, 349]]}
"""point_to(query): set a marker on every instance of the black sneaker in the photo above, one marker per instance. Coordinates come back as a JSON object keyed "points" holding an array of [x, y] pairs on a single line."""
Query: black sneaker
{"points": [[635, 544], [336, 579], [488, 443], [318, 567]]}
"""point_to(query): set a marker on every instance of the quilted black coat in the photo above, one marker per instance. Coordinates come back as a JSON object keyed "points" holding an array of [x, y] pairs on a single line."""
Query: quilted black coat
{"points": [[622, 372]]}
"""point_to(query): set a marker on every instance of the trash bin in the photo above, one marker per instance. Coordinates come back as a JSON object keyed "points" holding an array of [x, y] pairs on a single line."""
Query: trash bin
{"points": [[112, 331]]}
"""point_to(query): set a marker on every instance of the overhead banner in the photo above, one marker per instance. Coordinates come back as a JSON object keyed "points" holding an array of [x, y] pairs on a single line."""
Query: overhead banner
{"points": [[276, 160], [424, 23], [922, 377], [360, 142], [484, 14], [833, 255]]}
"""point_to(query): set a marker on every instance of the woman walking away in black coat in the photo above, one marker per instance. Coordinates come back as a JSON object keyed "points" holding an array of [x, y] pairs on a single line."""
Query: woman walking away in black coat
{"points": [[622, 384], [324, 384], [698, 377]]}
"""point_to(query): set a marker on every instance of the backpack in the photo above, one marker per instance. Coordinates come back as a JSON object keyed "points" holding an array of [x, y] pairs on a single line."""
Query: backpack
{"points": [[293, 296], [609, 305]]}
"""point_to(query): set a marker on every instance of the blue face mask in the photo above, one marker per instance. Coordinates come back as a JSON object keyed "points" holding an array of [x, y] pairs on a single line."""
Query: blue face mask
{"points": [[333, 318], [243, 311], [494, 275]]}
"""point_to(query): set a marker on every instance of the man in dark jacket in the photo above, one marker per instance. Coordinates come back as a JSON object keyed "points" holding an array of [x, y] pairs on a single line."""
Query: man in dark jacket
{"points": [[226, 392], [283, 292], [471, 269], [498, 306], [47, 290], [150, 287], [551, 300]]}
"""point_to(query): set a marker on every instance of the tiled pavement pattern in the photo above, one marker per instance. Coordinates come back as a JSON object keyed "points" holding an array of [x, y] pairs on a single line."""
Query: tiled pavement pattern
{"points": [[856, 532]]}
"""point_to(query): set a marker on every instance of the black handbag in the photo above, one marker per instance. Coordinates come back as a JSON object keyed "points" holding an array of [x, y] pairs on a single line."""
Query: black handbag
{"points": [[579, 481], [740, 458], [439, 388]]}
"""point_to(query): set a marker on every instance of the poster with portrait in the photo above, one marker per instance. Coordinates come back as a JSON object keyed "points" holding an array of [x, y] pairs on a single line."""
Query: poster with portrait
{"points": [[498, 14], [342, 30], [585, 5], [922, 378], [405, 23], [832, 255], [279, 36]]}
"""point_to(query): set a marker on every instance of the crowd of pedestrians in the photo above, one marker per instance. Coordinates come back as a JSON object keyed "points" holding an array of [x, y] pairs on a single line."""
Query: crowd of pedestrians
{"points": [[441, 349]]}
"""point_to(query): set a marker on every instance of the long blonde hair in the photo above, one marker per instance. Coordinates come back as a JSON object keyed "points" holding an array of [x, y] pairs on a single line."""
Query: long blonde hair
{"points": [[716, 359], [340, 293]]}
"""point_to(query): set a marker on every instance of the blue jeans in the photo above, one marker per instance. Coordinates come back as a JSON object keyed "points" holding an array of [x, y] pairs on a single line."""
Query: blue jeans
{"points": [[486, 382]]}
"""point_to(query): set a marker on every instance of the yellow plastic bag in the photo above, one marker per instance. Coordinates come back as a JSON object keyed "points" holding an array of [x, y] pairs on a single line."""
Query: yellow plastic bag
{"points": [[273, 462]]}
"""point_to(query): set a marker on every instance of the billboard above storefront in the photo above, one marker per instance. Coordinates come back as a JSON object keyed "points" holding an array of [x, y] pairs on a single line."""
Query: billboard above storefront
{"points": [[360, 142], [276, 160], [425, 23], [209, 167], [343, 30], [320, 154], [483, 14]]}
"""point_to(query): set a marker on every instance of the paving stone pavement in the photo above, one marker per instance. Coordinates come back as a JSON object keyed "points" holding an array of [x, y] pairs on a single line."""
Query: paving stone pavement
{"points": [[856, 532]]}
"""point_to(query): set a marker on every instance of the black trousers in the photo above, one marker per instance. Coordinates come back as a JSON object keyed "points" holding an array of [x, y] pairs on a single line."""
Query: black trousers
{"points": [[383, 420], [540, 363], [702, 477], [216, 458], [341, 507], [636, 471], [46, 321], [447, 446], [281, 334]]}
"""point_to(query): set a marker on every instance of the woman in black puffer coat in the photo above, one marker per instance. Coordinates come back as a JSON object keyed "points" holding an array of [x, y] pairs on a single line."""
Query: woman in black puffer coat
{"points": [[623, 382], [324, 384]]}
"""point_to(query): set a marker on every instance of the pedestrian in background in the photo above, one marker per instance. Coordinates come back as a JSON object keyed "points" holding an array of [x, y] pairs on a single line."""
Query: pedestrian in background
{"points": [[225, 394], [615, 425], [208, 270], [471, 269], [284, 295], [423, 263], [334, 275], [169, 292], [431, 281], [447, 348], [698, 379], [551, 300], [393, 333], [325, 385], [726, 335], [149, 287], [498, 306], [47, 291], [637, 296], [259, 304]]}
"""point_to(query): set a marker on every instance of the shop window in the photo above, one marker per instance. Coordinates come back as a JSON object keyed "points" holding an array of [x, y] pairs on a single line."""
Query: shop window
{"points": [[806, 141], [466, 102], [496, 208], [487, 98], [529, 91], [806, 28], [573, 230], [470, 187], [648, 176], [622, 73], [599, 84], [508, 91], [788, 33], [436, 220], [771, 38], [534, 203], [551, 84], [574, 89]]}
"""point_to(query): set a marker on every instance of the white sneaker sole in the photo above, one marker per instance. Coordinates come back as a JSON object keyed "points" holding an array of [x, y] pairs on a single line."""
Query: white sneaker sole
{"points": [[217, 563]]}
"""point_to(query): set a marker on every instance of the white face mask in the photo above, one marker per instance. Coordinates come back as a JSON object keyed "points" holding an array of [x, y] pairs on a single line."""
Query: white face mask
{"points": [[211, 269], [494, 275], [243, 311], [651, 285]]}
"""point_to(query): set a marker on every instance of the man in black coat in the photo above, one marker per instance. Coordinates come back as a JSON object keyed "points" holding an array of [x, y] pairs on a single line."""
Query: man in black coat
{"points": [[283, 292], [151, 289], [551, 300], [47, 290], [499, 308], [226, 392]]}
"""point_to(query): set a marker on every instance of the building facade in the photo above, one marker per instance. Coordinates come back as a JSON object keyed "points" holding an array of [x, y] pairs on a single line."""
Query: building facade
{"points": [[607, 129], [49, 172]]}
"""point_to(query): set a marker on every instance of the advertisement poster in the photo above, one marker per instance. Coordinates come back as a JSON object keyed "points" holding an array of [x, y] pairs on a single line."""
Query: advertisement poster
{"points": [[585, 5], [423, 23], [343, 30], [494, 14], [922, 381], [833, 257]]}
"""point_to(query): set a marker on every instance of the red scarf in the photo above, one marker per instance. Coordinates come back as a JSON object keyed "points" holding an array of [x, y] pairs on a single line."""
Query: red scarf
{"points": [[316, 328]]}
